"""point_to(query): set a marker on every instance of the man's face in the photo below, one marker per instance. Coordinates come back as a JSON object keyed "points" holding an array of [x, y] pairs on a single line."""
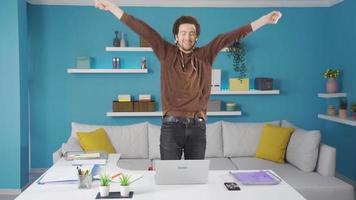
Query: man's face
{"points": [[187, 36]]}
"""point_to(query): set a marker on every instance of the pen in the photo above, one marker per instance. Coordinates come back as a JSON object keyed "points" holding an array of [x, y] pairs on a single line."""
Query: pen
{"points": [[116, 175]]}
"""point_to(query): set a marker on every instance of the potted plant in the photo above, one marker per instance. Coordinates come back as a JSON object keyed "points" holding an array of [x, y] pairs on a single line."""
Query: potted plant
{"points": [[124, 185], [353, 108], [104, 187], [343, 108], [236, 51], [331, 84]]}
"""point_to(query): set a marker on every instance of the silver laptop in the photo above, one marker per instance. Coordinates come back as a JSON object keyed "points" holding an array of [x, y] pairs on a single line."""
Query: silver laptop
{"points": [[176, 172]]}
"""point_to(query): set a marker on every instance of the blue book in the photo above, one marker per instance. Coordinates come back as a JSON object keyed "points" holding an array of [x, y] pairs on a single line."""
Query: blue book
{"points": [[256, 178]]}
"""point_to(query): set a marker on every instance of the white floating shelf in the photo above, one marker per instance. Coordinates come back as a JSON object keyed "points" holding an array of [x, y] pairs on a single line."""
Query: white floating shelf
{"points": [[137, 49], [129, 49], [106, 71], [159, 114], [331, 95], [348, 121], [253, 92]]}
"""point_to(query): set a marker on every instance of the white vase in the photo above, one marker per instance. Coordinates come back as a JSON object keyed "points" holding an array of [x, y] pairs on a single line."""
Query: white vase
{"points": [[104, 191], [125, 191]]}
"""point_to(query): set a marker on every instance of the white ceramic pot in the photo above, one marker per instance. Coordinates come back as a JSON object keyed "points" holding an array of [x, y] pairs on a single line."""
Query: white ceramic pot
{"points": [[125, 191], [104, 191]]}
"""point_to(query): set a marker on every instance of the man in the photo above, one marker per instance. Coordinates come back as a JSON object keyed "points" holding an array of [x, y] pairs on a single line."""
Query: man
{"points": [[185, 78]]}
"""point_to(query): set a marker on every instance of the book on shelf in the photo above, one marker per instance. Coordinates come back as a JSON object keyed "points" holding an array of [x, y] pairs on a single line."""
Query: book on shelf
{"points": [[263, 177]]}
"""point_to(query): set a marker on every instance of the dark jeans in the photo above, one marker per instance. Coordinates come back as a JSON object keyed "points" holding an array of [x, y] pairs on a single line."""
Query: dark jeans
{"points": [[186, 135]]}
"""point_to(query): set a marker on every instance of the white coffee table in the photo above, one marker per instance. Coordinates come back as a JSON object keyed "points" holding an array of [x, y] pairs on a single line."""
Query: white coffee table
{"points": [[145, 188]]}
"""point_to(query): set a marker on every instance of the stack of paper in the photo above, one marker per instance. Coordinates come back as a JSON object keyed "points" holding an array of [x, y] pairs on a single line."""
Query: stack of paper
{"points": [[62, 174], [256, 178]]}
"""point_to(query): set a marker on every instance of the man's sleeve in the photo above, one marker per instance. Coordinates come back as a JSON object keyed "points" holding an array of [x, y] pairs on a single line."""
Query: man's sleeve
{"points": [[158, 44], [223, 40]]}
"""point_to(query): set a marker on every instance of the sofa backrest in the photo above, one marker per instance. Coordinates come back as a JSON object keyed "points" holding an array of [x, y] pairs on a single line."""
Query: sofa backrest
{"points": [[130, 141], [242, 139]]}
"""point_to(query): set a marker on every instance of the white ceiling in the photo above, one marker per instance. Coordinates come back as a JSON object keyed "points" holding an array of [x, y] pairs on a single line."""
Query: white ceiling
{"points": [[198, 3]]}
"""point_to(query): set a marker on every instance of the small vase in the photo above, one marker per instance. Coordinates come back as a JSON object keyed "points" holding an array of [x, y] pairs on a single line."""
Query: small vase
{"points": [[116, 42], [123, 41], [343, 113], [104, 191], [331, 85], [125, 191]]}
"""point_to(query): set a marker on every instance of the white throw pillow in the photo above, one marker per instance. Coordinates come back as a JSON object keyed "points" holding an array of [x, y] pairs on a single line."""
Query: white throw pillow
{"points": [[214, 143], [154, 133], [242, 139], [131, 141], [303, 148], [71, 145]]}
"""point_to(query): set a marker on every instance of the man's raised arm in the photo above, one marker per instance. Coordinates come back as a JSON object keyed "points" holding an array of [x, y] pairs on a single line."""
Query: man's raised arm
{"points": [[108, 6], [270, 18]]}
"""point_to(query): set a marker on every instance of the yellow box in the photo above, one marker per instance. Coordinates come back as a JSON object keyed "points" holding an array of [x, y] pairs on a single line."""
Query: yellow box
{"points": [[239, 84]]}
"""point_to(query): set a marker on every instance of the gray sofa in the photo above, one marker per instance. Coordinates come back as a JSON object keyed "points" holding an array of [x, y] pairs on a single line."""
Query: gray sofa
{"points": [[309, 167]]}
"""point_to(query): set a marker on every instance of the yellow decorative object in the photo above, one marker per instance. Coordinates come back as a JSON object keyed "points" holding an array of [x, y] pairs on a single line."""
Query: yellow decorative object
{"points": [[237, 84], [273, 143], [96, 140]]}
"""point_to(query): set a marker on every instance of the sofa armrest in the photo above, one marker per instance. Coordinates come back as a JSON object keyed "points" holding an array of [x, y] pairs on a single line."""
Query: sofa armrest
{"points": [[326, 160], [57, 155]]}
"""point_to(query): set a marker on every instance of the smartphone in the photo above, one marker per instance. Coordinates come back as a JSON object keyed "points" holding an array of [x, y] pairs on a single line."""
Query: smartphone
{"points": [[232, 186]]}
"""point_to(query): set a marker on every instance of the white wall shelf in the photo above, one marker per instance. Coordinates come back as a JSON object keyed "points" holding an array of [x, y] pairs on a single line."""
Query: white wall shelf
{"points": [[248, 92], [159, 114], [348, 121], [136, 49], [331, 95], [106, 71]]}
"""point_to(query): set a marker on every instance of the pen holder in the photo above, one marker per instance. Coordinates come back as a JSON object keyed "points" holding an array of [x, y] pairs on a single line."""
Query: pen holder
{"points": [[85, 181]]}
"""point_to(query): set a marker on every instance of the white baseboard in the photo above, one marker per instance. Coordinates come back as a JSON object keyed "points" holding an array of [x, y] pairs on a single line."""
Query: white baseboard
{"points": [[10, 191], [346, 179]]}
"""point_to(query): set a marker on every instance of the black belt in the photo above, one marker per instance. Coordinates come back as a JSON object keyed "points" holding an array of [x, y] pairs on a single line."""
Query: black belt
{"points": [[187, 120]]}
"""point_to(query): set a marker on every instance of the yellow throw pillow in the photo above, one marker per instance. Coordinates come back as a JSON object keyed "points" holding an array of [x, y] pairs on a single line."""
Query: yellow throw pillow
{"points": [[96, 140], [273, 143]]}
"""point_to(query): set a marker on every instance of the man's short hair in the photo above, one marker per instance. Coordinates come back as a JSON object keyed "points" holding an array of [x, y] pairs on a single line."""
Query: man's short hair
{"points": [[185, 20]]}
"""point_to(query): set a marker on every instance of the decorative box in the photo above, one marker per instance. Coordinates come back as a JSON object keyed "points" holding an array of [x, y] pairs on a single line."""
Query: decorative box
{"points": [[84, 62], [239, 84], [231, 106], [263, 83], [214, 105], [144, 106], [124, 98], [122, 106]]}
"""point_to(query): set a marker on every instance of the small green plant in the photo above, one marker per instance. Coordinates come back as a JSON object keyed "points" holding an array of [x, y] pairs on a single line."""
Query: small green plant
{"points": [[124, 180], [343, 103], [331, 73], [237, 51], [104, 180], [353, 107]]}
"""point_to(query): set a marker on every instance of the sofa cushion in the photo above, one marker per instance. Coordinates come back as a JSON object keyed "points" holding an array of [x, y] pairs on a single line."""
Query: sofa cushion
{"points": [[303, 148], [221, 164], [134, 164], [154, 133], [131, 141], [214, 143], [310, 184], [241, 139], [273, 143], [96, 140]]}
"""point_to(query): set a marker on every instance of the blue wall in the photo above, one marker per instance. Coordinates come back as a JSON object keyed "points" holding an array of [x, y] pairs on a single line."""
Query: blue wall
{"points": [[341, 53], [14, 146], [294, 52]]}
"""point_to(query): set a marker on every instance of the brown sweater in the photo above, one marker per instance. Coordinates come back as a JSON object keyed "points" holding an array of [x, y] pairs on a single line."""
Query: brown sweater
{"points": [[184, 91]]}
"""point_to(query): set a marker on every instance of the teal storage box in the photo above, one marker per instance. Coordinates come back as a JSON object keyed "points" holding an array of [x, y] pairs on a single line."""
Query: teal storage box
{"points": [[84, 62]]}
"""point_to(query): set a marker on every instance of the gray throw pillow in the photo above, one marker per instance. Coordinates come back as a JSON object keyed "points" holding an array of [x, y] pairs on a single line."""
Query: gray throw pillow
{"points": [[303, 148]]}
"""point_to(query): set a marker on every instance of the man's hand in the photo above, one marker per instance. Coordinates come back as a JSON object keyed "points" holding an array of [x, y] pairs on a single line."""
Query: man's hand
{"points": [[272, 17], [109, 6], [104, 5]]}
